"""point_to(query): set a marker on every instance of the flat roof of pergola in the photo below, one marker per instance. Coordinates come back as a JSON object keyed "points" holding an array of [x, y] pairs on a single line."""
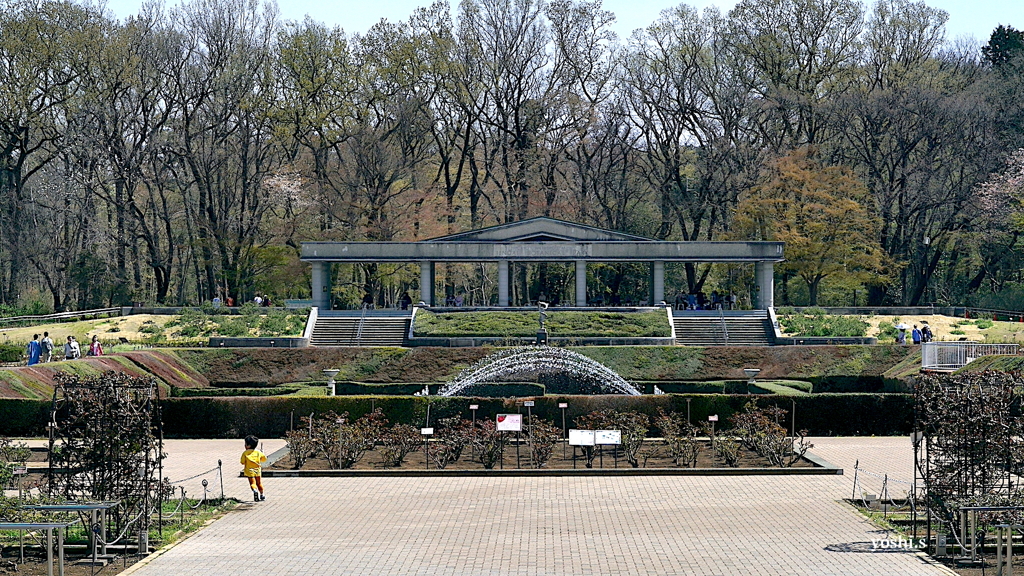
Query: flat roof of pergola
{"points": [[542, 240]]}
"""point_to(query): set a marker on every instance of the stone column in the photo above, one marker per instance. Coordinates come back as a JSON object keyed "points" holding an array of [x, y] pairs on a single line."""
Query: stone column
{"points": [[764, 275], [581, 282], [427, 282], [503, 283], [657, 282], [321, 280]]}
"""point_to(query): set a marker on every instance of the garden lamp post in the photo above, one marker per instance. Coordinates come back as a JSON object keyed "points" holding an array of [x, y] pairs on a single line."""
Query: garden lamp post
{"points": [[331, 373]]}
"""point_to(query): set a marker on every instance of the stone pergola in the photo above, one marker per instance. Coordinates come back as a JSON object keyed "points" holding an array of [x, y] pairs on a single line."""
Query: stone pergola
{"points": [[542, 240]]}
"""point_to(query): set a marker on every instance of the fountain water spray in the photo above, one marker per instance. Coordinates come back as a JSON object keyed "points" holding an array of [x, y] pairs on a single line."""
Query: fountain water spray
{"points": [[527, 360]]}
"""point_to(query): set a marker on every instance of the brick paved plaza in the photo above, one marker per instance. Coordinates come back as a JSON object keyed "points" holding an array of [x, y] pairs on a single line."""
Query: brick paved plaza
{"points": [[551, 526]]}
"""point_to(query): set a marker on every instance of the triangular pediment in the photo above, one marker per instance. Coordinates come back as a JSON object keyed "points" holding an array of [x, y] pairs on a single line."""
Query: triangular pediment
{"points": [[540, 229]]}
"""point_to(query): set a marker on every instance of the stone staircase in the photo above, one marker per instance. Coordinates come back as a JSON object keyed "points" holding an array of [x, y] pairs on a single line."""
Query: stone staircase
{"points": [[704, 328], [377, 330]]}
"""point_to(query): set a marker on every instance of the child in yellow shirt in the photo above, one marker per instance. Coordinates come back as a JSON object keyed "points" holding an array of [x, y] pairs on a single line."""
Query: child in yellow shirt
{"points": [[252, 460]]}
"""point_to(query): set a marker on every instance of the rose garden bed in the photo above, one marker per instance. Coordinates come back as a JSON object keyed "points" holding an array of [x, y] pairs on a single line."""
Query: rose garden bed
{"points": [[653, 459]]}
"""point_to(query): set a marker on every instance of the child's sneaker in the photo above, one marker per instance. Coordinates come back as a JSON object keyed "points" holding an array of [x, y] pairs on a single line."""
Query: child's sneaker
{"points": [[262, 497], [255, 496]]}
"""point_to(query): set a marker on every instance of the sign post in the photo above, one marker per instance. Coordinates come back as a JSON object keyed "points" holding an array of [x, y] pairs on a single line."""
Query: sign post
{"points": [[509, 423], [473, 408], [608, 438], [427, 433], [713, 418], [529, 426], [565, 433], [580, 438]]}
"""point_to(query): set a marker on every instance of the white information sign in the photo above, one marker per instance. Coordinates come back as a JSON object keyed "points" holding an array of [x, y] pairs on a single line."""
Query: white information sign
{"points": [[509, 423], [427, 431], [474, 406], [713, 418], [528, 403], [581, 437], [563, 404], [608, 437]]}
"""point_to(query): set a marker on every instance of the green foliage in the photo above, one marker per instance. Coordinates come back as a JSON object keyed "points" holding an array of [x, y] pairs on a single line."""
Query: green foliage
{"points": [[887, 331], [250, 314], [31, 307], [816, 322], [275, 323], [984, 323], [11, 353], [525, 324], [232, 326], [1005, 44], [150, 328]]}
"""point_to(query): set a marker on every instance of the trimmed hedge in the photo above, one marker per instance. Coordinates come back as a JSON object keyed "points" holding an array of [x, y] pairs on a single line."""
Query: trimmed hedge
{"points": [[252, 392], [515, 323], [820, 414], [24, 417]]}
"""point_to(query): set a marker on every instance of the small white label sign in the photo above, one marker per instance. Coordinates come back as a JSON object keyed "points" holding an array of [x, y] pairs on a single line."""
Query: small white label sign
{"points": [[563, 405], [427, 431], [528, 403], [608, 437], [509, 423], [713, 418], [474, 406], [581, 437]]}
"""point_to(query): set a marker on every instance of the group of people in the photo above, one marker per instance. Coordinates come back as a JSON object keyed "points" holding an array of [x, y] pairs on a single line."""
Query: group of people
{"points": [[700, 301], [917, 335], [42, 350]]}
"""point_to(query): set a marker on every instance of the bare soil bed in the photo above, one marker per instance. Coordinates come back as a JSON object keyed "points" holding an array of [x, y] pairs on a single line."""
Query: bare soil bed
{"points": [[35, 564], [607, 458]]}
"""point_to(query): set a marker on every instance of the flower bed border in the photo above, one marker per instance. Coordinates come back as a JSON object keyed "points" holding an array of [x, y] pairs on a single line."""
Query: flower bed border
{"points": [[821, 468]]}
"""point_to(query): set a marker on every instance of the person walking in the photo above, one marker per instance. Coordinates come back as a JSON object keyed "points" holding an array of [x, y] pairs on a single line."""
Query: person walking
{"points": [[46, 346], [95, 348], [915, 335], [33, 350], [901, 334], [926, 333], [72, 351], [252, 460]]}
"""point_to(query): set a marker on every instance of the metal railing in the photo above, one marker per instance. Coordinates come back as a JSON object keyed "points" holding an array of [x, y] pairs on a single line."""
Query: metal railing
{"points": [[725, 330], [60, 315], [956, 355], [359, 327]]}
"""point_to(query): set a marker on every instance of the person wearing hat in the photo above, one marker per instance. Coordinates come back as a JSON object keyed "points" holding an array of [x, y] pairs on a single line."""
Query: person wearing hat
{"points": [[901, 335]]}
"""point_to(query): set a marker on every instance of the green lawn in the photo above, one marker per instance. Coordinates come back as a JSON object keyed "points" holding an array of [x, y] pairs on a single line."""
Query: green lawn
{"points": [[505, 324]]}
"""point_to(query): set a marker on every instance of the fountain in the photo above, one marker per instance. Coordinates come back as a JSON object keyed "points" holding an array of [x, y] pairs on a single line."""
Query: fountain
{"points": [[533, 360]]}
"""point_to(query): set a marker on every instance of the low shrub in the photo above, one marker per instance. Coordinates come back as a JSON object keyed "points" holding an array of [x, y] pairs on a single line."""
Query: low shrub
{"points": [[150, 328], [231, 326], [11, 353]]}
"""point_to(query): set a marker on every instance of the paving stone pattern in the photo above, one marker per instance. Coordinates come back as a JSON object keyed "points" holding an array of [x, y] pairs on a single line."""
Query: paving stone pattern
{"points": [[659, 525]]}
